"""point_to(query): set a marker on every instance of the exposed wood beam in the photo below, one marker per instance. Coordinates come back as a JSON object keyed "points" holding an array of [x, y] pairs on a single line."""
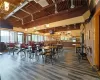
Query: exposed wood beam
{"points": [[57, 17], [60, 28], [45, 8], [21, 9], [18, 8], [19, 19]]}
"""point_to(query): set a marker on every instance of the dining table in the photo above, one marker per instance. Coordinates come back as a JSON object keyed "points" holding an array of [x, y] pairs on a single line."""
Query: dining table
{"points": [[48, 48]]}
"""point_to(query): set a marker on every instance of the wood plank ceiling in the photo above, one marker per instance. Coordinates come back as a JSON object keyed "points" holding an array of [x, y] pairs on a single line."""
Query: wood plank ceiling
{"points": [[13, 4], [29, 15]]}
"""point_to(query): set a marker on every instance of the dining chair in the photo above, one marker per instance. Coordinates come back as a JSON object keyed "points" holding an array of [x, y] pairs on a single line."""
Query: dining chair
{"points": [[23, 48], [11, 47], [51, 55]]}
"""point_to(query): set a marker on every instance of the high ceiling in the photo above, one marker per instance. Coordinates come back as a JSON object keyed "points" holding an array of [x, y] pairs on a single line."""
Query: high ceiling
{"points": [[31, 13]]}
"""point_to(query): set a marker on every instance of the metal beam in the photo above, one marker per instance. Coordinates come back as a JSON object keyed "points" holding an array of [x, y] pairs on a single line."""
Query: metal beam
{"points": [[21, 9], [16, 17], [25, 11], [22, 21], [32, 17], [72, 4], [19, 19], [45, 7]]}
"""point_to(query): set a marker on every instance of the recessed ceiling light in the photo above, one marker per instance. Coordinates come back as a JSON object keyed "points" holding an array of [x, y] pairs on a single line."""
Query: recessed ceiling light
{"points": [[34, 28], [37, 32], [47, 25], [25, 29], [58, 33]]}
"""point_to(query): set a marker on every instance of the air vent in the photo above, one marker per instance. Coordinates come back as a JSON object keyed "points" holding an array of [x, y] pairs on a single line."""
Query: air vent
{"points": [[43, 3]]}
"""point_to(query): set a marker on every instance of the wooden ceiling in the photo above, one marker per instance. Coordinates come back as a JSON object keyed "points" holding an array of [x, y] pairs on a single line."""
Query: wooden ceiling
{"points": [[33, 14], [13, 4]]}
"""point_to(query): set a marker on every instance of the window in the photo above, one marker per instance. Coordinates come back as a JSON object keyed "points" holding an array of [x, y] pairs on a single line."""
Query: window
{"points": [[12, 39], [42, 38], [28, 38], [8, 36], [39, 38], [20, 37], [5, 36], [15, 36], [35, 38]]}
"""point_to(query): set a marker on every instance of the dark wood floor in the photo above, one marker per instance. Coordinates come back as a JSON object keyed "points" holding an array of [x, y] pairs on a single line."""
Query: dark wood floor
{"points": [[66, 67]]}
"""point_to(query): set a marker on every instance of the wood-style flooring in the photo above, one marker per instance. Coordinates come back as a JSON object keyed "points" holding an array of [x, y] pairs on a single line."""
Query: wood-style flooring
{"points": [[66, 67]]}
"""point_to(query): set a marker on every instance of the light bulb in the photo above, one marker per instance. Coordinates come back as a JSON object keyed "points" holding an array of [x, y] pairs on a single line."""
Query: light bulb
{"points": [[34, 28], [25, 29], [6, 6], [47, 25]]}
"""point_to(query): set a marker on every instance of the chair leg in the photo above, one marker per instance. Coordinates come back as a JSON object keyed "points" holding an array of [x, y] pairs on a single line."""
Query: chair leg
{"points": [[79, 58], [9, 51], [13, 52], [51, 59], [30, 55], [43, 57], [24, 53], [57, 54], [19, 51]]}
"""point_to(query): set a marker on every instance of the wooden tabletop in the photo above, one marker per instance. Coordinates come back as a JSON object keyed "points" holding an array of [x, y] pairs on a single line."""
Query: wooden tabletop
{"points": [[49, 47]]}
